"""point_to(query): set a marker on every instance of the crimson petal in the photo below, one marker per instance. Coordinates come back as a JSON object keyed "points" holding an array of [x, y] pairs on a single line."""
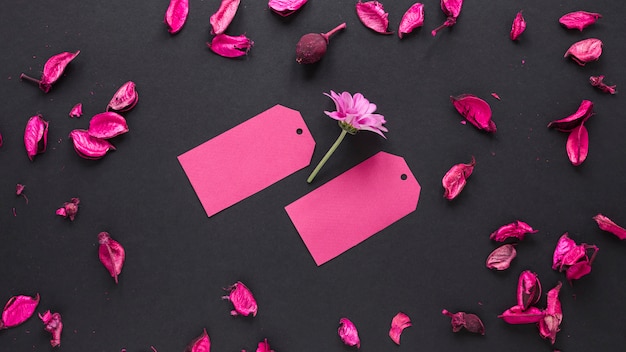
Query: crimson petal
{"points": [[176, 15], [125, 98], [578, 145], [455, 179], [111, 253], [201, 343], [17, 310], [35, 136], [567, 124], [475, 110], [608, 225], [518, 27]]}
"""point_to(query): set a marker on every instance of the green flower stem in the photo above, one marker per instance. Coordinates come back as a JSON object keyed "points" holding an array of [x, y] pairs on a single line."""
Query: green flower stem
{"points": [[327, 156]]}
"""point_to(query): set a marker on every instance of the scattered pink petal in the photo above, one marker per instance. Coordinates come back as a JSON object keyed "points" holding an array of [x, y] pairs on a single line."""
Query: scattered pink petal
{"points": [[455, 179], [518, 27], [19, 191], [400, 322], [528, 289], [495, 95], [54, 326], [285, 7], [572, 258], [452, 9], [176, 15], [69, 209], [578, 145], [17, 310], [107, 125], [578, 270], [111, 253], [125, 98], [264, 346], [517, 315], [467, 321], [35, 136], [517, 229], [1, 140], [597, 81], [52, 70], [475, 110], [549, 325], [579, 19], [608, 225], [89, 147], [348, 333], [567, 124], [77, 110], [230, 46], [311, 48], [585, 51], [200, 344], [564, 247], [373, 16], [501, 257], [242, 299], [224, 15], [412, 18]]}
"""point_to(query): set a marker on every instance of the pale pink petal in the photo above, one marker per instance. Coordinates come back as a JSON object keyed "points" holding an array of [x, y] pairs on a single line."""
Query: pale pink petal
{"points": [[224, 15], [176, 15], [372, 14], [608, 225], [285, 7], [230, 46], [399, 322], [501, 257]]}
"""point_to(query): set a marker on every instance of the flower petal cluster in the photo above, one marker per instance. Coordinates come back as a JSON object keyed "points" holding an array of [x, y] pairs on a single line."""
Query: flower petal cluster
{"points": [[356, 113]]}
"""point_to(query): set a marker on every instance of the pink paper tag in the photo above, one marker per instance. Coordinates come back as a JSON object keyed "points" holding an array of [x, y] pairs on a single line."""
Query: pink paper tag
{"points": [[354, 206], [248, 158]]}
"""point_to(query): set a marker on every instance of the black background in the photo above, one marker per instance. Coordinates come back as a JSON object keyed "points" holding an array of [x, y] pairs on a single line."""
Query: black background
{"points": [[178, 260]]}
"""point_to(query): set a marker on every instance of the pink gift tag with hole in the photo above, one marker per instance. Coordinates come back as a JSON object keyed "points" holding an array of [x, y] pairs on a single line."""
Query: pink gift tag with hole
{"points": [[354, 206], [248, 158]]}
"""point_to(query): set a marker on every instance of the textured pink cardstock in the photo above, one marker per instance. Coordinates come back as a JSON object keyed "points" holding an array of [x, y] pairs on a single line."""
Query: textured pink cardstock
{"points": [[354, 206], [248, 158]]}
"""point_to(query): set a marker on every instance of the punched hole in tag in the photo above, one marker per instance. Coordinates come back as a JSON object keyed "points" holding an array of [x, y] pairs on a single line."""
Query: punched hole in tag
{"points": [[299, 131], [403, 177]]}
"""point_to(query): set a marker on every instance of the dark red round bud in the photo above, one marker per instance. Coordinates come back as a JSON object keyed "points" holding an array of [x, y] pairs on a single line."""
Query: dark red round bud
{"points": [[311, 48]]}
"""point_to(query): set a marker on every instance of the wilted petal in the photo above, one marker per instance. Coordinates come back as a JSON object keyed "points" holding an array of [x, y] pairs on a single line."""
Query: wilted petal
{"points": [[125, 98], [77, 110], [455, 179], [412, 18], [517, 229], [176, 15], [285, 7], [242, 299], [69, 209], [372, 14], [111, 253], [348, 333], [35, 136], [597, 81], [528, 289], [107, 125], [452, 9], [54, 326], [224, 15], [608, 225], [230, 46], [579, 19], [585, 51], [475, 110], [567, 124], [17, 310], [264, 346], [460, 320], [89, 147], [517, 315], [578, 145], [501, 257], [19, 189], [200, 344], [518, 27], [52, 70], [400, 322], [578, 270], [549, 325]]}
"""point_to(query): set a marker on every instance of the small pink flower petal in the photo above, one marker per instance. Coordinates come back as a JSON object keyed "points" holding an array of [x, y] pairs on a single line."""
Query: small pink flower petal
{"points": [[579, 19], [242, 299], [89, 147], [35, 136], [107, 125], [77, 110], [52, 70], [399, 322], [264, 346], [567, 124], [608, 225], [348, 333], [200, 344], [412, 18], [475, 110], [501, 257], [224, 16], [69, 209], [230, 46], [455, 179], [17, 310], [112, 254], [518, 27], [578, 145], [372, 14], [578, 270], [550, 325], [528, 289], [176, 15], [517, 315], [585, 51], [125, 98], [452, 9], [54, 326], [517, 229], [598, 82], [286, 7]]}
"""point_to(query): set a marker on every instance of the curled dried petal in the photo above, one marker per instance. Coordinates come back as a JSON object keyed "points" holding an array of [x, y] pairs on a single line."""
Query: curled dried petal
{"points": [[549, 325], [348, 333], [452, 9], [242, 299], [373, 16], [578, 145], [52, 70], [501, 257], [467, 321], [54, 326], [19, 189], [455, 179], [176, 15], [69, 209], [518, 27], [567, 124], [517, 315], [264, 346], [285, 7], [578, 270], [125, 98], [475, 110], [517, 229], [224, 15], [200, 344], [579, 19], [112, 254], [572, 258], [89, 147], [107, 125], [17, 310], [77, 110], [399, 322], [585, 51], [597, 81], [230, 46], [35, 136], [412, 18], [608, 225], [528, 289]]}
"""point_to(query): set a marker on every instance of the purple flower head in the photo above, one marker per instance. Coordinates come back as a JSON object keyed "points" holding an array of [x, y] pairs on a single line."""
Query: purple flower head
{"points": [[356, 113]]}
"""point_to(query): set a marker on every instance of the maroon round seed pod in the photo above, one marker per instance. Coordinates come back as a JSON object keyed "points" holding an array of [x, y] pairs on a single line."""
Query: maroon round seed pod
{"points": [[312, 47]]}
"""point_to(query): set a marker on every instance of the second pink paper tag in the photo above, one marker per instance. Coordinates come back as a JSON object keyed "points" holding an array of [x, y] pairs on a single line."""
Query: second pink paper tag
{"points": [[354, 206]]}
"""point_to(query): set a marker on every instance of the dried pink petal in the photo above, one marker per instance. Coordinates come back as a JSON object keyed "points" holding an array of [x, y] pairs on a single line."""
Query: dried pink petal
{"points": [[455, 179], [77, 110], [608, 225], [373, 16], [578, 145], [176, 15], [501, 257], [348, 333], [111, 253], [242, 299], [89, 147], [285, 7], [1, 140], [579, 19], [52, 70], [201, 343], [230, 46], [17, 310], [585, 51], [452, 9], [311, 48], [399, 322], [517, 315], [475, 110], [572, 258], [69, 209], [578, 270], [224, 15], [125, 98], [549, 325], [54, 326], [496, 96], [107, 125], [19, 189], [597, 81], [264, 346], [517, 229], [412, 18], [567, 124], [518, 27], [460, 320], [35, 136], [528, 289]]}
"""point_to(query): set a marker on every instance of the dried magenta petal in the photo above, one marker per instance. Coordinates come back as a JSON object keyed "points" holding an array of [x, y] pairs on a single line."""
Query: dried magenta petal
{"points": [[264, 346], [230, 46], [577, 145], [52, 70], [125, 98], [242, 299], [461, 320], [224, 15], [107, 125], [585, 51], [475, 110], [517, 229], [517, 315], [201, 343], [455, 179], [111, 254], [89, 147], [348, 333], [579, 19], [54, 326], [311, 48], [577, 270], [17, 310], [77, 110], [412, 18], [452, 9], [549, 325], [518, 27], [567, 124], [399, 322], [572, 258], [285, 7], [35, 136], [19, 189], [608, 225], [373, 16], [69, 209], [176, 15], [528, 289], [597, 81], [501, 257]]}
